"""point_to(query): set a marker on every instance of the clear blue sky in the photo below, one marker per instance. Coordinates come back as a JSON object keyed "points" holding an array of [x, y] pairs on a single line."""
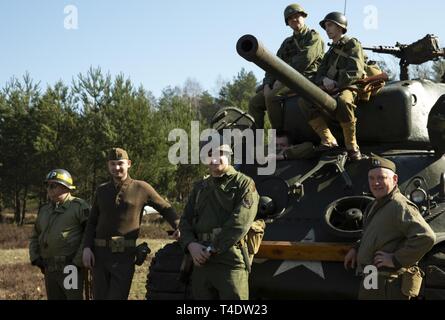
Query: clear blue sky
{"points": [[162, 43]]}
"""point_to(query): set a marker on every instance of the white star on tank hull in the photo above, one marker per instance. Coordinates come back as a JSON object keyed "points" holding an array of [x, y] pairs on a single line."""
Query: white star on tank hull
{"points": [[314, 266]]}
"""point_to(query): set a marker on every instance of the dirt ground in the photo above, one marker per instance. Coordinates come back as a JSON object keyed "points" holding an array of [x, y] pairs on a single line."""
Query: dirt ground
{"points": [[21, 281]]}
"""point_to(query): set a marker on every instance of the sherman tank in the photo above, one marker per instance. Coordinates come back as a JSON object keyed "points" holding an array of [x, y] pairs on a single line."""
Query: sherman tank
{"points": [[313, 207]]}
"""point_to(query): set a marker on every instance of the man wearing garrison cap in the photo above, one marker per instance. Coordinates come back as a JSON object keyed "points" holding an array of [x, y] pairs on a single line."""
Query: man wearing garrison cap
{"points": [[395, 237], [113, 227]]}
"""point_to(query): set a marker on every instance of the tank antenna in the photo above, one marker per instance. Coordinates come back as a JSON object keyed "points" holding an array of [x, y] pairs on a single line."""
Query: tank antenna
{"points": [[344, 10]]}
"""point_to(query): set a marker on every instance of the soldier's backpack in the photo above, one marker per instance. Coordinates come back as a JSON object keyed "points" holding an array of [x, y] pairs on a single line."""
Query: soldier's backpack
{"points": [[373, 81]]}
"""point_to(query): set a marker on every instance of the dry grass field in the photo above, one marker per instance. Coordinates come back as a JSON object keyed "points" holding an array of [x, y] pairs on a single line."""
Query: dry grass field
{"points": [[21, 281]]}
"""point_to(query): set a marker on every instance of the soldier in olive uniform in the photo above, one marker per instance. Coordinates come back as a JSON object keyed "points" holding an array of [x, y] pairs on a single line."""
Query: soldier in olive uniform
{"points": [[342, 65], [395, 237], [113, 227], [218, 214], [303, 51], [57, 235]]}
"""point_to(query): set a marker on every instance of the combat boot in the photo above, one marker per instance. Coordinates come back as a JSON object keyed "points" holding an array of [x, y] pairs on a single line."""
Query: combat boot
{"points": [[328, 141], [351, 145]]}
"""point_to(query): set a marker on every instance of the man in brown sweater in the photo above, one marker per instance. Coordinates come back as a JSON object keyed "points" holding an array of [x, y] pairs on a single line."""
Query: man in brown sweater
{"points": [[113, 227]]}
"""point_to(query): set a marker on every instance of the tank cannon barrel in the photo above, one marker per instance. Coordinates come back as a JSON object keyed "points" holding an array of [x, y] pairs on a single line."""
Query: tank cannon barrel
{"points": [[254, 51]]}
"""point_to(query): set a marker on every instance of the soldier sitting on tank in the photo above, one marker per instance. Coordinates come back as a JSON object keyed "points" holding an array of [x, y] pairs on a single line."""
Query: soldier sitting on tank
{"points": [[57, 236], [303, 51], [342, 65], [395, 237], [285, 150]]}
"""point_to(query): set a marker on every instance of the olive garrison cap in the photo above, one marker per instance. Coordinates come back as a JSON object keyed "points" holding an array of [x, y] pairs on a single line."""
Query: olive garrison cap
{"points": [[117, 154], [380, 162]]}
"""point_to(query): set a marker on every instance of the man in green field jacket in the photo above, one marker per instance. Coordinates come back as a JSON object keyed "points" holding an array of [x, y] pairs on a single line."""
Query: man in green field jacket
{"points": [[218, 214], [56, 239]]}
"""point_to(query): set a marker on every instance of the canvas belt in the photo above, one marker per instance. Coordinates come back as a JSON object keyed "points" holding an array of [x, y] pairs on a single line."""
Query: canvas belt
{"points": [[116, 244], [57, 263], [388, 274], [209, 236]]}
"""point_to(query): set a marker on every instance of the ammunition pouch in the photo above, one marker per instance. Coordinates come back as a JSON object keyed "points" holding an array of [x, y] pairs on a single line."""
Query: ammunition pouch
{"points": [[186, 268], [412, 281], [142, 250], [116, 244], [254, 236]]}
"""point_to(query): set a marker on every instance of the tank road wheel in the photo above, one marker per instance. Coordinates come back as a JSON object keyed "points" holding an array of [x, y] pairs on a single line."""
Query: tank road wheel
{"points": [[163, 275], [433, 264]]}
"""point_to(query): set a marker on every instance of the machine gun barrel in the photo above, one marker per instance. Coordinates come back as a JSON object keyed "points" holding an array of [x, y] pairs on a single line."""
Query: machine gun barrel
{"points": [[421, 51], [254, 51], [395, 51]]}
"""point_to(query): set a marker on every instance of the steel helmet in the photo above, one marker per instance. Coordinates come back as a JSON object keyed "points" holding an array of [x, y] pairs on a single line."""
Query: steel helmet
{"points": [[60, 176], [338, 18], [292, 9]]}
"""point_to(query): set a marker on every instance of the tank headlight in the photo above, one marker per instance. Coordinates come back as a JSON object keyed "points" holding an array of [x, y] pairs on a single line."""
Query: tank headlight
{"points": [[418, 196]]}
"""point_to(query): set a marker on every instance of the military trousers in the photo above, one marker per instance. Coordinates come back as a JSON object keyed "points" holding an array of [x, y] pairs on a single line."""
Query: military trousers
{"points": [[388, 288], [112, 274], [214, 281], [273, 103], [60, 286], [345, 111]]}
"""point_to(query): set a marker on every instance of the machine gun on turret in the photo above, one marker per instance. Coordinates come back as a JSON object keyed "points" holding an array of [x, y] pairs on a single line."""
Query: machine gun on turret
{"points": [[423, 50]]}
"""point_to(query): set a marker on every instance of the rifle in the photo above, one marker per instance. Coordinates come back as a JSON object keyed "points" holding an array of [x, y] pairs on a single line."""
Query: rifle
{"points": [[87, 284], [364, 86]]}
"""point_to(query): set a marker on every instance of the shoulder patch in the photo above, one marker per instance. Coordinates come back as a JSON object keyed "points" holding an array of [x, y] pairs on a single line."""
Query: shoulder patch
{"points": [[248, 200], [251, 190]]}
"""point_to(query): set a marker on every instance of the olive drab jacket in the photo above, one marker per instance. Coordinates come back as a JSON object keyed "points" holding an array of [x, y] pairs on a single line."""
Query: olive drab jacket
{"points": [[344, 62], [303, 51], [59, 229], [219, 212], [394, 225]]}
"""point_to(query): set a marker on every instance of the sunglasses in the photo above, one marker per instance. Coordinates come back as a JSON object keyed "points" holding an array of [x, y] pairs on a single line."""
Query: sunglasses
{"points": [[52, 186]]}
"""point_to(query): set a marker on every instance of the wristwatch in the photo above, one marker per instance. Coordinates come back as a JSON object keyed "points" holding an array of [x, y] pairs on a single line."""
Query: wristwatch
{"points": [[210, 249]]}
